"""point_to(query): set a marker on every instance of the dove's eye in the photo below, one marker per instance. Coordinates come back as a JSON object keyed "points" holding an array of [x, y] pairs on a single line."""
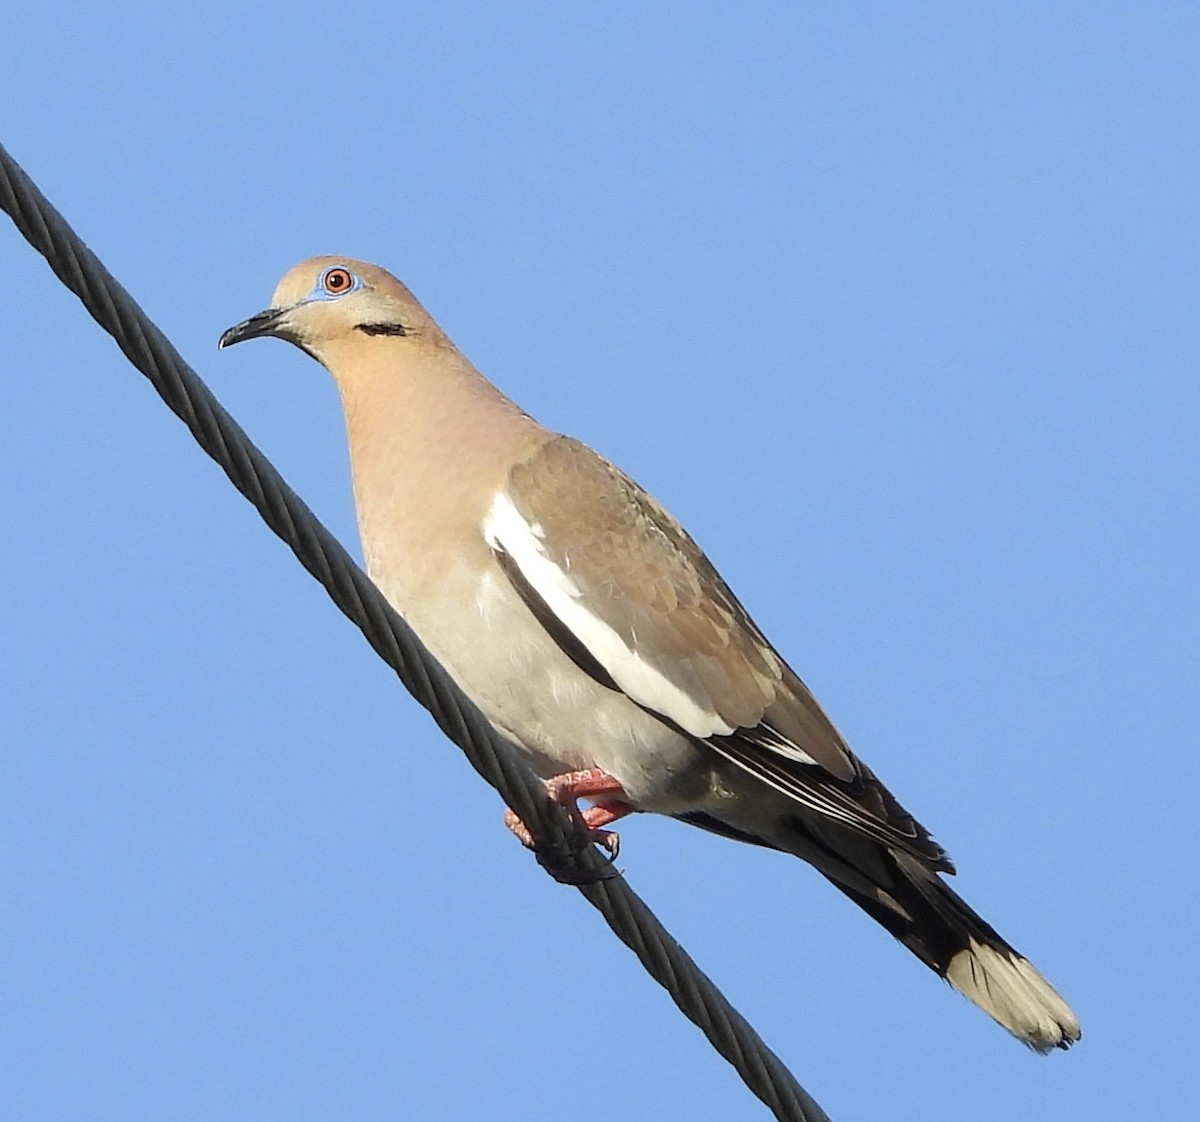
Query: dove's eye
{"points": [[337, 280]]}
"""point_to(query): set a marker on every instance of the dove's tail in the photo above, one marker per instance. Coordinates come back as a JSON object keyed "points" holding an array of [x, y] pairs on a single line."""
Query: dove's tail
{"points": [[945, 933]]}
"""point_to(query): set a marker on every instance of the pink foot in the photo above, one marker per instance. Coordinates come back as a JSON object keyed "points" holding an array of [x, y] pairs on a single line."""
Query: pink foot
{"points": [[566, 789]]}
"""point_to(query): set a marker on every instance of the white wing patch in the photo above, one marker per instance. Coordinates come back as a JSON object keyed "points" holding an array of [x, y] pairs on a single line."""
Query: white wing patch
{"points": [[504, 528]]}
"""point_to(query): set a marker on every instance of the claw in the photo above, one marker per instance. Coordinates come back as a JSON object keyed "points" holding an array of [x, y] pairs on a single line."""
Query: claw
{"points": [[565, 790]]}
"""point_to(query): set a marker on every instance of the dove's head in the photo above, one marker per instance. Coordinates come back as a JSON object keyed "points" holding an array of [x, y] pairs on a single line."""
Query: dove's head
{"points": [[326, 302]]}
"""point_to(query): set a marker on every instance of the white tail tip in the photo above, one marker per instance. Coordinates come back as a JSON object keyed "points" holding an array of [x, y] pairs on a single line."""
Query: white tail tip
{"points": [[1013, 993]]}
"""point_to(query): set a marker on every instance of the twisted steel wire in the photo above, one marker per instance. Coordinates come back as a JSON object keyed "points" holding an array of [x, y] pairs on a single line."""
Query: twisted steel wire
{"points": [[562, 846]]}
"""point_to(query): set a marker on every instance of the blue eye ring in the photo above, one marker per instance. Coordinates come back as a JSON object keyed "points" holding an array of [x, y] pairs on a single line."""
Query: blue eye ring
{"points": [[336, 281]]}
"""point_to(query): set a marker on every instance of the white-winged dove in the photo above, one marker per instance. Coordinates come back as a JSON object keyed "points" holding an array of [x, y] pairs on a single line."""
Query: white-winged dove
{"points": [[596, 636]]}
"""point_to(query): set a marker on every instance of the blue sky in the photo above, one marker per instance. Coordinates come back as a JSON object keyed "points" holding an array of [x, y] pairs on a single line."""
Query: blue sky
{"points": [[895, 309]]}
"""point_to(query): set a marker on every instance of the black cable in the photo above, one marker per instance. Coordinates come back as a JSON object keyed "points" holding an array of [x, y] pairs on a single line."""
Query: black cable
{"points": [[563, 849]]}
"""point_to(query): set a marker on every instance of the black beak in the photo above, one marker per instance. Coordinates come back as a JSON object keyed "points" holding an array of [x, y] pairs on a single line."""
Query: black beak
{"points": [[265, 323]]}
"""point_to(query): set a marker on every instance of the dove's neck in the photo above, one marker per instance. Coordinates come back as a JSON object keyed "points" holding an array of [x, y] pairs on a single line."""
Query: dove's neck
{"points": [[431, 442]]}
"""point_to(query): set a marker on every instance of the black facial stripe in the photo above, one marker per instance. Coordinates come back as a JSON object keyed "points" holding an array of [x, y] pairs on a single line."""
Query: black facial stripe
{"points": [[381, 328]]}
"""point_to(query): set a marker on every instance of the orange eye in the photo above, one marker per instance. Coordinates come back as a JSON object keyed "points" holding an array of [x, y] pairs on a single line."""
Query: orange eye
{"points": [[337, 281]]}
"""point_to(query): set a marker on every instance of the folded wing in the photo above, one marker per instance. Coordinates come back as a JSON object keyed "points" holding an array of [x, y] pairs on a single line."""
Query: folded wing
{"points": [[631, 598]]}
